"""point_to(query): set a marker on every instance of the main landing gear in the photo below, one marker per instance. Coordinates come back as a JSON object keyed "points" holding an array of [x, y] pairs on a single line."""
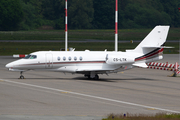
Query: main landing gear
{"points": [[95, 77], [21, 76]]}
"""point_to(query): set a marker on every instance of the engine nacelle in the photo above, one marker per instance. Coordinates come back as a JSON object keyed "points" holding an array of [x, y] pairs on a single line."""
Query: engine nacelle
{"points": [[155, 59], [119, 59]]}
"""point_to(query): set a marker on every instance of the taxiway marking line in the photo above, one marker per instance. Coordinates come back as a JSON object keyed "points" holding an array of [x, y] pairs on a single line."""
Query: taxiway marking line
{"points": [[91, 96]]}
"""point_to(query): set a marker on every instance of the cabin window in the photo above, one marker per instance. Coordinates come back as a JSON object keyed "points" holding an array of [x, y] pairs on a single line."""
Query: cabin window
{"points": [[59, 58], [69, 58], [64, 58], [75, 58], [80, 58]]}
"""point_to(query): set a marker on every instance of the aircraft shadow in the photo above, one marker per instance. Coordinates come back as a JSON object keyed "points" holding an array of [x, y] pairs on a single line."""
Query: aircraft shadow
{"points": [[112, 79], [86, 79]]}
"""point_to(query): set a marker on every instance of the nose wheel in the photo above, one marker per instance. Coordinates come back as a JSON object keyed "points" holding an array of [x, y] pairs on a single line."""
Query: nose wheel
{"points": [[21, 76]]}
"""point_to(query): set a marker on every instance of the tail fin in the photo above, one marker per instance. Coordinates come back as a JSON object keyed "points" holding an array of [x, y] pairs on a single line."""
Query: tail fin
{"points": [[151, 48], [155, 39]]}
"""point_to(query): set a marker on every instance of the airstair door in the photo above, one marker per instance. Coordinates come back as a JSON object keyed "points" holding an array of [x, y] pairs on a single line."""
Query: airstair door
{"points": [[49, 60]]}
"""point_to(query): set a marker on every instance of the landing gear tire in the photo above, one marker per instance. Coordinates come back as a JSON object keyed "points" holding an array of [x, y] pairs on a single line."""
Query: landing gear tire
{"points": [[96, 77], [21, 77], [88, 76]]}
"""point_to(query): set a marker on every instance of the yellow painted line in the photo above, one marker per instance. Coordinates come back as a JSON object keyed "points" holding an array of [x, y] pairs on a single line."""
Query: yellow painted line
{"points": [[64, 92], [120, 72], [81, 115], [151, 108], [1, 80]]}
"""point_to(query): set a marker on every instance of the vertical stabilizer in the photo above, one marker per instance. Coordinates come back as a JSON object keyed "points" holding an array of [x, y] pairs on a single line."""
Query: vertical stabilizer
{"points": [[151, 47], [155, 39]]}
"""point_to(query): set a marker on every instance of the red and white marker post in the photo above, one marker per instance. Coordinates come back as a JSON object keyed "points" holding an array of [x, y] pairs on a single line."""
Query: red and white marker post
{"points": [[19, 56], [116, 27], [162, 65], [165, 66], [66, 28]]}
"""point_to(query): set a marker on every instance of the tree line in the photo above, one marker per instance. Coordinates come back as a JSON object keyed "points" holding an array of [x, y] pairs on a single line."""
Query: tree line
{"points": [[87, 14]]}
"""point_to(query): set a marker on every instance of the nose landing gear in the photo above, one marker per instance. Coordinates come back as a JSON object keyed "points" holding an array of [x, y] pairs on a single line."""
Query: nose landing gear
{"points": [[21, 76]]}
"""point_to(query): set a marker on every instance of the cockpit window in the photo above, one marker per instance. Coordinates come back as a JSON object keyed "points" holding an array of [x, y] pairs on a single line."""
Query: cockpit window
{"points": [[27, 57], [33, 57], [30, 57]]}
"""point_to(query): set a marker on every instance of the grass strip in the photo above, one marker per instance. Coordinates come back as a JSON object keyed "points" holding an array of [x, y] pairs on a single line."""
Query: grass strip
{"points": [[10, 48], [158, 116], [124, 34]]}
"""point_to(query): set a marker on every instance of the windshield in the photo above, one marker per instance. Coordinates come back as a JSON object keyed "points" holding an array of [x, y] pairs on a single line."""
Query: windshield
{"points": [[30, 57], [27, 57]]}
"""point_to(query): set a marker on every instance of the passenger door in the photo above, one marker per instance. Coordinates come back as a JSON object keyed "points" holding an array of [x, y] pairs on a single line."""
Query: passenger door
{"points": [[49, 60]]}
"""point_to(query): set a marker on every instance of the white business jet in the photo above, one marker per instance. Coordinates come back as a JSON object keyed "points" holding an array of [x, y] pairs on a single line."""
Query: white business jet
{"points": [[92, 63]]}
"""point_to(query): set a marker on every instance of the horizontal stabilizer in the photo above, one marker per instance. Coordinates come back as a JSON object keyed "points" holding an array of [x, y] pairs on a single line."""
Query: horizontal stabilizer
{"points": [[148, 46], [143, 65], [166, 47]]}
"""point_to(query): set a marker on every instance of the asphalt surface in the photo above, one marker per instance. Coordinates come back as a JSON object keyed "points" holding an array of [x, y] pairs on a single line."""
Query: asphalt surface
{"points": [[52, 95]]}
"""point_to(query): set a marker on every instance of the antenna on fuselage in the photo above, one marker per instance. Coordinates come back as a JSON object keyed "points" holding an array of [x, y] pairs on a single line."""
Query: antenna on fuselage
{"points": [[66, 28], [116, 26]]}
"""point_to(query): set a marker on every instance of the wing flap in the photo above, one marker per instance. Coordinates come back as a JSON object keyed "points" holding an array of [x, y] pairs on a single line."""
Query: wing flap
{"points": [[143, 65], [148, 46], [88, 69]]}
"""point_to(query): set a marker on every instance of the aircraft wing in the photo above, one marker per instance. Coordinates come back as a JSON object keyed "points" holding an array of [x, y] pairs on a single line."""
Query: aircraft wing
{"points": [[101, 70], [90, 69], [82, 69]]}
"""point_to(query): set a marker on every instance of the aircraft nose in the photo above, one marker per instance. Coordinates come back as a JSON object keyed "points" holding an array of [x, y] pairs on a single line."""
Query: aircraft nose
{"points": [[9, 65]]}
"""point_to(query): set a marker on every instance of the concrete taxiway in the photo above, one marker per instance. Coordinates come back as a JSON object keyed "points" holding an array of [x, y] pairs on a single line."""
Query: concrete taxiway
{"points": [[53, 95]]}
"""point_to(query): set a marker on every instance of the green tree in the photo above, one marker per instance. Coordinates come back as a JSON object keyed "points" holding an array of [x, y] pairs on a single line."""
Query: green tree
{"points": [[10, 14], [143, 14], [136, 13], [53, 13], [85, 14], [33, 17], [29, 16], [104, 14], [171, 8], [80, 14]]}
